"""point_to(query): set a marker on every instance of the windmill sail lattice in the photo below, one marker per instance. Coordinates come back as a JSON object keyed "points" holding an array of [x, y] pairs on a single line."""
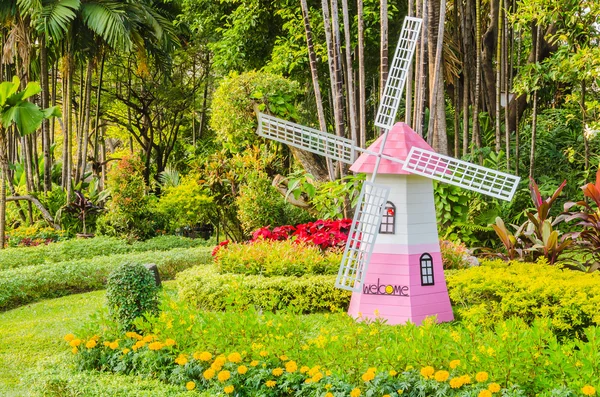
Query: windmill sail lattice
{"points": [[362, 236], [306, 138], [461, 173], [390, 101]]}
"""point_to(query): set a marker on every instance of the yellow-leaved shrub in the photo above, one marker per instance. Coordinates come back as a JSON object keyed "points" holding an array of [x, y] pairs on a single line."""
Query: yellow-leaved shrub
{"points": [[498, 290]]}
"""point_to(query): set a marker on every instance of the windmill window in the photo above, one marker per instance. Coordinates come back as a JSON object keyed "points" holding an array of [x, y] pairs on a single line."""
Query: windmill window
{"points": [[388, 222], [426, 269]]}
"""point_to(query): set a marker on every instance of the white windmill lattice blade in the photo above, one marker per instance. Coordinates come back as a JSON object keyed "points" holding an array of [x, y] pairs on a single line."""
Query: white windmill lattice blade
{"points": [[461, 173], [394, 86], [306, 138], [362, 236]]}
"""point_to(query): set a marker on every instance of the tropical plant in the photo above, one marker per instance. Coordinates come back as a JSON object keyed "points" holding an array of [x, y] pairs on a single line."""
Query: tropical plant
{"points": [[82, 207], [588, 217]]}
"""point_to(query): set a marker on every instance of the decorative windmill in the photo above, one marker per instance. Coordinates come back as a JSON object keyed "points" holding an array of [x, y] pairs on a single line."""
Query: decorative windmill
{"points": [[392, 259]]}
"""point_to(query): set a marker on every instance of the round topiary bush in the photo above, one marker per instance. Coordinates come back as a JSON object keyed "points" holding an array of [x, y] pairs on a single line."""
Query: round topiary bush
{"points": [[131, 291]]}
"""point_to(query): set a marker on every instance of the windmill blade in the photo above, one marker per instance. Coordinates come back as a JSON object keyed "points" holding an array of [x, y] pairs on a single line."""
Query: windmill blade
{"points": [[306, 138], [394, 86], [362, 236], [461, 173]]}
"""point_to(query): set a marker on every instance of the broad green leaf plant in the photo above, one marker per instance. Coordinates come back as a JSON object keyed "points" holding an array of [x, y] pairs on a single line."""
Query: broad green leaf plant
{"points": [[26, 117]]}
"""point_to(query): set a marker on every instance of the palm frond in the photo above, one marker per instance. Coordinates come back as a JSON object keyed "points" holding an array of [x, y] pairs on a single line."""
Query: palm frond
{"points": [[56, 17], [107, 20], [169, 178]]}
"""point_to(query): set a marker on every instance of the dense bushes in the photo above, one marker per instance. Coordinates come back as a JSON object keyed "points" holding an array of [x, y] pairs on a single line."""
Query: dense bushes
{"points": [[131, 292], [317, 354], [205, 288], [497, 290], [276, 258], [70, 250], [28, 284]]}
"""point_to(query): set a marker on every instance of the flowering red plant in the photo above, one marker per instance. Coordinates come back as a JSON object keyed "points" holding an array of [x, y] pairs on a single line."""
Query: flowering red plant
{"points": [[222, 244], [324, 233]]}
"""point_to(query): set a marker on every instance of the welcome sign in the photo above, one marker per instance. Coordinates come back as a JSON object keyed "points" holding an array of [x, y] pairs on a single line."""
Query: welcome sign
{"points": [[383, 289]]}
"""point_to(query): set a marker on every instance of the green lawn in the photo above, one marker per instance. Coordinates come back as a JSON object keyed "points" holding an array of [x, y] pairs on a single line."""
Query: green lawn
{"points": [[35, 361]]}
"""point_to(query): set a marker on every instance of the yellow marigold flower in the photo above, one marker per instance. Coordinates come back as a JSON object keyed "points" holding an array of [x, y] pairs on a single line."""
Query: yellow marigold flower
{"points": [[466, 379], [114, 345], [455, 383], [90, 344], [228, 389], [170, 342], [588, 390], [291, 366], [393, 373], [271, 383], [442, 376], [234, 357], [355, 392], [156, 346], [106, 343], [277, 371], [181, 359], [329, 394], [74, 350], [221, 360], [126, 350], [75, 342], [304, 369], [317, 377], [69, 337], [309, 380], [314, 370], [190, 385], [485, 393], [204, 356], [148, 338], [283, 357], [494, 387], [223, 376], [481, 376], [209, 374], [134, 347], [216, 366], [386, 395], [133, 335], [328, 386], [454, 363], [253, 363], [264, 353], [242, 369], [368, 376], [427, 372]]}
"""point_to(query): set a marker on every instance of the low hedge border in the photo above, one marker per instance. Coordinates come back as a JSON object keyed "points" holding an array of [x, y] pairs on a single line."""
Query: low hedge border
{"points": [[74, 249], [29, 284], [498, 290], [205, 288]]}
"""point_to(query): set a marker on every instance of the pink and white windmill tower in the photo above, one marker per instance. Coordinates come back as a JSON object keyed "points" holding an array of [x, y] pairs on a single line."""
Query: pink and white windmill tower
{"points": [[392, 259]]}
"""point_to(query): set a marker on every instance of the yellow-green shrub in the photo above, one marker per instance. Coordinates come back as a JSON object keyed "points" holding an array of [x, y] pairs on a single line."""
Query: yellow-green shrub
{"points": [[204, 287], [276, 258], [498, 290]]}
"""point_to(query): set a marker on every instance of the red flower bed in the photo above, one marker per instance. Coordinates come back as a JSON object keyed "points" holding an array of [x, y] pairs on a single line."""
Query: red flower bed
{"points": [[324, 233]]}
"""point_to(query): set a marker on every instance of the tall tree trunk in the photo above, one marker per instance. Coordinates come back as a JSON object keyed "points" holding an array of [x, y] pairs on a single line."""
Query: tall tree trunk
{"points": [[500, 36], [507, 79], [437, 119], [534, 113], [97, 115], [362, 101], [383, 30], [339, 78], [475, 134], [420, 75], [586, 155], [85, 132], [315, 80], [46, 143], [350, 95], [4, 170], [409, 77], [488, 42]]}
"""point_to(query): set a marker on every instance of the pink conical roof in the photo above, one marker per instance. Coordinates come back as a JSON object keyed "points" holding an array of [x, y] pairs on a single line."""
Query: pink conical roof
{"points": [[399, 141]]}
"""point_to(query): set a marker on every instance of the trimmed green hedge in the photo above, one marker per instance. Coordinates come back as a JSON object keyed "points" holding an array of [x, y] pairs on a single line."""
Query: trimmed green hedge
{"points": [[28, 284], [70, 250], [498, 290], [207, 289]]}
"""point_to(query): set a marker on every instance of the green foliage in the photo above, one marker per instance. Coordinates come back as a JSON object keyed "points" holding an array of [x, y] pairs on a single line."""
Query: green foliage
{"points": [[27, 236], [205, 288], [75, 249], [131, 292], [342, 350], [259, 204], [495, 291], [129, 210], [28, 284], [233, 118], [331, 198], [276, 258], [186, 204]]}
